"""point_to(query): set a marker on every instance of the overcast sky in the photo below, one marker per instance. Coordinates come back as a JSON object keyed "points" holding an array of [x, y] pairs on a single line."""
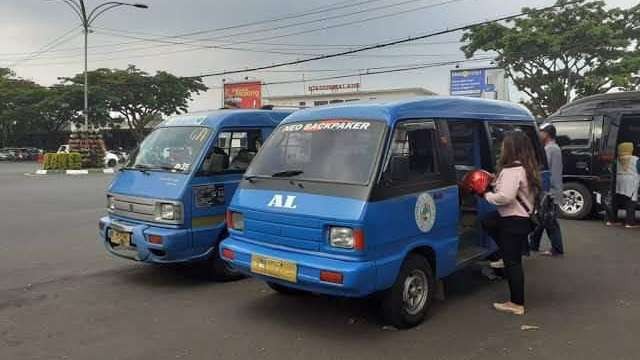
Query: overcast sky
{"points": [[29, 25]]}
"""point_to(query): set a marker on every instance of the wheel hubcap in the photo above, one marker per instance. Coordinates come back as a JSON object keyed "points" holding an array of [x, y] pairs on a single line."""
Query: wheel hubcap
{"points": [[573, 202], [415, 292]]}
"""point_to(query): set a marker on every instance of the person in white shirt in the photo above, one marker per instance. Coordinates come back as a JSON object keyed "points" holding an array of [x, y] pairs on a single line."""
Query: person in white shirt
{"points": [[627, 184]]}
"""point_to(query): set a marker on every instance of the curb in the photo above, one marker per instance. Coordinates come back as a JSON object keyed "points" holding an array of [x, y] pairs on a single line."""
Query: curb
{"points": [[75, 172]]}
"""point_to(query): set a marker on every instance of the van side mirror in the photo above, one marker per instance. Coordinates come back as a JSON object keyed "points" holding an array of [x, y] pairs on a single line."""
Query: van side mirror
{"points": [[399, 168]]}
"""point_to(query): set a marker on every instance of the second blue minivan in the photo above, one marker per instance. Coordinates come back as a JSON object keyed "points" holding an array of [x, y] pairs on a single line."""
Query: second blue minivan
{"points": [[168, 205], [361, 199]]}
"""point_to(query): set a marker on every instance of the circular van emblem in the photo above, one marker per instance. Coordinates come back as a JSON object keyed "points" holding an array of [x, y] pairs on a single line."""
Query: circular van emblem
{"points": [[425, 212]]}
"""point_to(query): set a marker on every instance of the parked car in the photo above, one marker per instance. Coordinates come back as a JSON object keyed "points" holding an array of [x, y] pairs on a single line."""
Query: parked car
{"points": [[110, 158], [588, 131], [6, 155], [21, 153]]}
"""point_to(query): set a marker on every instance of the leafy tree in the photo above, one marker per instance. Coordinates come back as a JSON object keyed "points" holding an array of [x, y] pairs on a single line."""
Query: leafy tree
{"points": [[63, 104], [17, 97], [577, 49], [140, 98]]}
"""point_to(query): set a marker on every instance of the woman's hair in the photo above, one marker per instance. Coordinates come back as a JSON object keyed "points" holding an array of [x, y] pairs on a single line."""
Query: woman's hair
{"points": [[517, 150]]}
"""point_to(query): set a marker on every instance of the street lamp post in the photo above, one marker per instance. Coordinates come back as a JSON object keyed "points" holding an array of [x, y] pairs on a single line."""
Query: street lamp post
{"points": [[87, 18]]}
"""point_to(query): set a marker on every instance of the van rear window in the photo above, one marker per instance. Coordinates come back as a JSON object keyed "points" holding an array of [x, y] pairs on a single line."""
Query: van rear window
{"points": [[573, 133]]}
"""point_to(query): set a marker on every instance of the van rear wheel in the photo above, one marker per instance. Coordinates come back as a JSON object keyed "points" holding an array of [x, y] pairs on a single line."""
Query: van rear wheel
{"points": [[407, 302], [577, 203]]}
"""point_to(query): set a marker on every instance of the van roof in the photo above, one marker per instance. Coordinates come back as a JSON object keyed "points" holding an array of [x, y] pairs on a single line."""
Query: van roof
{"points": [[451, 107], [229, 118], [588, 105]]}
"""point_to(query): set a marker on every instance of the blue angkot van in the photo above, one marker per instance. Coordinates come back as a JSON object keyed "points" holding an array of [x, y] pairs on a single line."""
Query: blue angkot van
{"points": [[360, 199], [168, 204]]}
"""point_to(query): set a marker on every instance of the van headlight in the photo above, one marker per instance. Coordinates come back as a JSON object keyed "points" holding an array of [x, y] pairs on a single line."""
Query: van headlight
{"points": [[111, 204], [168, 211], [346, 238]]}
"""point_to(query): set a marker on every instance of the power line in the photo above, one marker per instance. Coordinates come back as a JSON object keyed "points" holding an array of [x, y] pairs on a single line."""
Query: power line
{"points": [[226, 47], [48, 46], [313, 11], [326, 27], [377, 72], [380, 45]]}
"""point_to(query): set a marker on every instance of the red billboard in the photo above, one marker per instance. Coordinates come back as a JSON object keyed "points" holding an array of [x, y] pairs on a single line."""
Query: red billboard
{"points": [[243, 95]]}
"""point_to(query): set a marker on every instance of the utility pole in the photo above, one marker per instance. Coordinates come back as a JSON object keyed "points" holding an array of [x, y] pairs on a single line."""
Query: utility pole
{"points": [[87, 19]]}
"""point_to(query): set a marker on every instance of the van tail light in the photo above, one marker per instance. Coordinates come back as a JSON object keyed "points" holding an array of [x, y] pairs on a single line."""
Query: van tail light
{"points": [[229, 219], [235, 220], [228, 254], [358, 239], [331, 277], [154, 239]]}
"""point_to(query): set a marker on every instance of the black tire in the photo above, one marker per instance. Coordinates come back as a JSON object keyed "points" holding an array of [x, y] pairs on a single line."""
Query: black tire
{"points": [[578, 203], [219, 270], [285, 290], [111, 163], [395, 310]]}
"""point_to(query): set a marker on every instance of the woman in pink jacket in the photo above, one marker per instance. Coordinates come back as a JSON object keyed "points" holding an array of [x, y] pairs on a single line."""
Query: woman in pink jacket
{"points": [[517, 183]]}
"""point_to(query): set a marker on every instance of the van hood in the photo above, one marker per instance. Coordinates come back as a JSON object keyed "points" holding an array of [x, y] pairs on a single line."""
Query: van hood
{"points": [[298, 204], [150, 184]]}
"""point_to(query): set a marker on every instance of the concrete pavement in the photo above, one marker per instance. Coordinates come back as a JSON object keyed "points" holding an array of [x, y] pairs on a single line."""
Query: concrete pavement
{"points": [[63, 297]]}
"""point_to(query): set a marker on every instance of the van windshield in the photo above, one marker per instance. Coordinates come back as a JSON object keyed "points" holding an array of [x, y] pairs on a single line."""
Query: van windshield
{"points": [[171, 149], [340, 151]]}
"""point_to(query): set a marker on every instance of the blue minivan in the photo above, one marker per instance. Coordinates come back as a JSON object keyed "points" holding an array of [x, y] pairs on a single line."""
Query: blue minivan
{"points": [[168, 204], [362, 199]]}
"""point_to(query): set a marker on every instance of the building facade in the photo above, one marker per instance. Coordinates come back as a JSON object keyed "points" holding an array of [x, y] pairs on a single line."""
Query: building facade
{"points": [[336, 97]]}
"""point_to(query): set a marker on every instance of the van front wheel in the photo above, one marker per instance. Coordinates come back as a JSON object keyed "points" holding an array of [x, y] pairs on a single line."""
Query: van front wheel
{"points": [[577, 202], [407, 302]]}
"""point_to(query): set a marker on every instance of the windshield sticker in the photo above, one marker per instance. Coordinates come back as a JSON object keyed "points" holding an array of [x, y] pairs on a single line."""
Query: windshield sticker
{"points": [[182, 167], [199, 135], [328, 125], [182, 120]]}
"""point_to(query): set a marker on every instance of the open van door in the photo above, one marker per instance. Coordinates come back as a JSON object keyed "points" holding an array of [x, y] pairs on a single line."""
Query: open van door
{"points": [[605, 185]]}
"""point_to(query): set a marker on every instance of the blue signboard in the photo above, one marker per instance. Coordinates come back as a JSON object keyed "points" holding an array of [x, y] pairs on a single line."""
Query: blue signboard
{"points": [[468, 82]]}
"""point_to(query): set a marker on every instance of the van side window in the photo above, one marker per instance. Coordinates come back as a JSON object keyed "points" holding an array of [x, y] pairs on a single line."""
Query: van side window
{"points": [[573, 133], [417, 142], [234, 150], [470, 146], [497, 131]]}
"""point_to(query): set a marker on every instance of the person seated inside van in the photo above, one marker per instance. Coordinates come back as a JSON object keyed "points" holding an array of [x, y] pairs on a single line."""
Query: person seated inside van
{"points": [[242, 160]]}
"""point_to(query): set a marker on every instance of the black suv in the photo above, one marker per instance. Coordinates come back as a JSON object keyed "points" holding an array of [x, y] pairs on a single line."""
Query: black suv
{"points": [[588, 131]]}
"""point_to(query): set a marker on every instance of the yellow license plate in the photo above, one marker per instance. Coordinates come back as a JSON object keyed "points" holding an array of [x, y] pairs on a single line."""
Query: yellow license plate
{"points": [[279, 269], [120, 238]]}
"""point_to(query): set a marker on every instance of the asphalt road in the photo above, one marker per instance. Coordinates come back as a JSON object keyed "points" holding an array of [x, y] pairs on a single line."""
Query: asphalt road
{"points": [[63, 297]]}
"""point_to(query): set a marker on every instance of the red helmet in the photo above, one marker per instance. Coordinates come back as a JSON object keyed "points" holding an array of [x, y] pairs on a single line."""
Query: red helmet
{"points": [[477, 181]]}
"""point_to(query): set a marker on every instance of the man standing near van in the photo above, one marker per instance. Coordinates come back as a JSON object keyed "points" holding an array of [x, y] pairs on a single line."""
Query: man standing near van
{"points": [[554, 159]]}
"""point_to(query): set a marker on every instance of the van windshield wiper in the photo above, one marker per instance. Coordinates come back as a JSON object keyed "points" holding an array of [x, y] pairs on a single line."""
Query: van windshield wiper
{"points": [[287, 173], [141, 167]]}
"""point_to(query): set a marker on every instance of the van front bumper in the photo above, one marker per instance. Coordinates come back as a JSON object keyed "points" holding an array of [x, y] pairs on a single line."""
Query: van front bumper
{"points": [[176, 244], [359, 277]]}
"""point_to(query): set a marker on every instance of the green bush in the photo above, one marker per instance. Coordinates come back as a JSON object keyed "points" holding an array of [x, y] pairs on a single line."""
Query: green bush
{"points": [[53, 161]]}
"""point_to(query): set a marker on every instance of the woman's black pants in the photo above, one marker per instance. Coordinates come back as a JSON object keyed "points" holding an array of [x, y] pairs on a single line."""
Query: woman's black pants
{"points": [[510, 234]]}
